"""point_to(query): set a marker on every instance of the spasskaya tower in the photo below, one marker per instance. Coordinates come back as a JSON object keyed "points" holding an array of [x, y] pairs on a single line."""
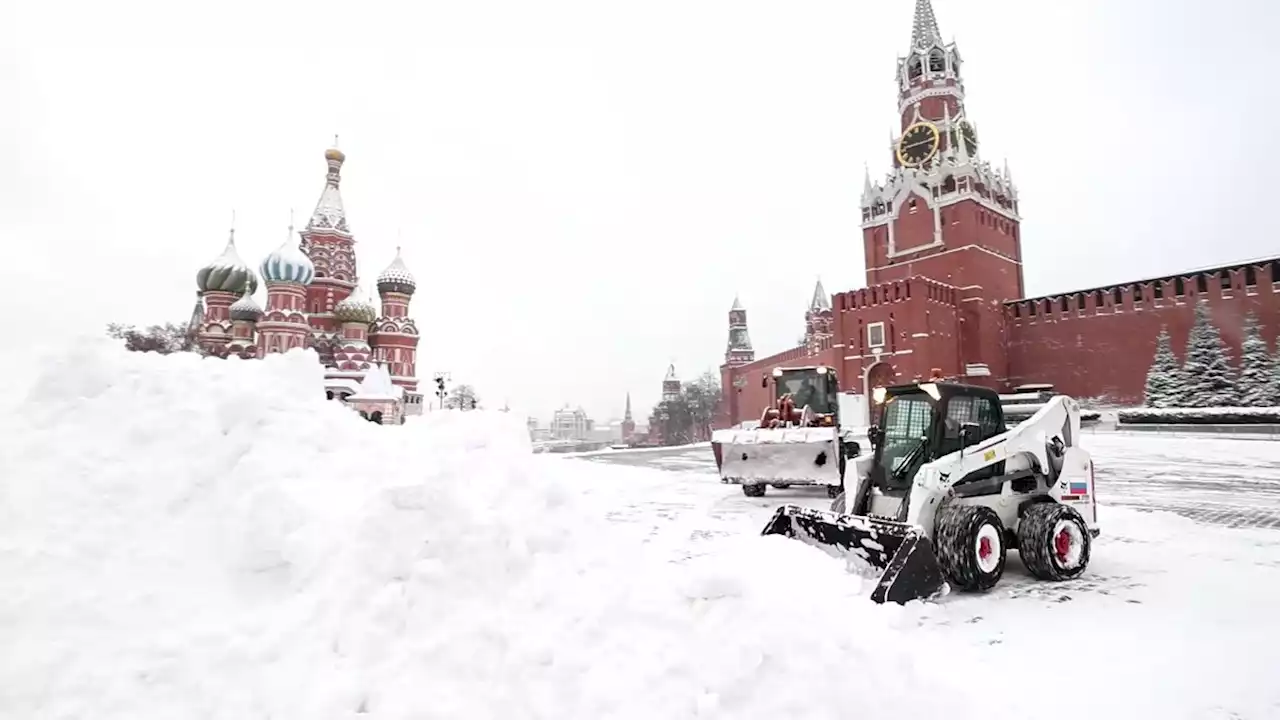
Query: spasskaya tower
{"points": [[943, 211]]}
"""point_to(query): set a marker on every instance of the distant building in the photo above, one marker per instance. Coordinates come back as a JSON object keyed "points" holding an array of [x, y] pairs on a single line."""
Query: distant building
{"points": [[571, 424]]}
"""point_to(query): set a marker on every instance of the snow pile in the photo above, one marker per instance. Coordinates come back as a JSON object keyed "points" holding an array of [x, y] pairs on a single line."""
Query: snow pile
{"points": [[185, 537], [1201, 415]]}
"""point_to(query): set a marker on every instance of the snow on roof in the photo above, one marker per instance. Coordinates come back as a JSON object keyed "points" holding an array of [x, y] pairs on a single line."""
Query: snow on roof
{"points": [[377, 385]]}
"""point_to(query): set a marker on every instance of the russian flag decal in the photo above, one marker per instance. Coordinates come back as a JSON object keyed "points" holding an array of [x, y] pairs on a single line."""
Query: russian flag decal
{"points": [[1078, 488]]}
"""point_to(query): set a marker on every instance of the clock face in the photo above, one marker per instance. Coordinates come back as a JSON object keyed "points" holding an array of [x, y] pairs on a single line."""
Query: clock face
{"points": [[968, 136], [918, 143]]}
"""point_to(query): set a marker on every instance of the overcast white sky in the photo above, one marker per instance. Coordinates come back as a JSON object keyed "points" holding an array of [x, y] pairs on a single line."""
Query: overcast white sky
{"points": [[581, 186]]}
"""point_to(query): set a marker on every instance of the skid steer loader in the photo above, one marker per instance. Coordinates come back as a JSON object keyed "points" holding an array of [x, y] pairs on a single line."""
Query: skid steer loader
{"points": [[949, 489], [799, 440]]}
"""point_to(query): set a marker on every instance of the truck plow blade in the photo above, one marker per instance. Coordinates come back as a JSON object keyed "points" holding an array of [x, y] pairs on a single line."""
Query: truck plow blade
{"points": [[801, 456], [900, 552]]}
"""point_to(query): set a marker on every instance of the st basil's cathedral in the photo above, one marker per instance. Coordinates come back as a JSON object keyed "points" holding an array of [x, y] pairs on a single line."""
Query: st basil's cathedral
{"points": [[369, 350]]}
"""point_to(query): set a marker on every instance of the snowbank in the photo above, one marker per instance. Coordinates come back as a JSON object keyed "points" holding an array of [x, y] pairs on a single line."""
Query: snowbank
{"points": [[1200, 416], [185, 537]]}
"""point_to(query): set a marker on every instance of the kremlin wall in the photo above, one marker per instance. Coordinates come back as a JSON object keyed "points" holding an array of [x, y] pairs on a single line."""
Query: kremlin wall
{"points": [[944, 278]]}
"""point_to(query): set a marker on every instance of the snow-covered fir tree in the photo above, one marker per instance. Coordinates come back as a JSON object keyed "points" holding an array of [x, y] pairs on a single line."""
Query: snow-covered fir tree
{"points": [[1208, 380], [1164, 378], [1257, 384]]}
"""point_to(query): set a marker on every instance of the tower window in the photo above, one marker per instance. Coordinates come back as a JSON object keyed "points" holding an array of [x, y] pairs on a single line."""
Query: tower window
{"points": [[875, 334], [915, 69], [937, 63]]}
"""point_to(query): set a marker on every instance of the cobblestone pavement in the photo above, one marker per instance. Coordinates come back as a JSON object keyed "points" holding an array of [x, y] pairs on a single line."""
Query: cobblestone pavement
{"points": [[1221, 481]]}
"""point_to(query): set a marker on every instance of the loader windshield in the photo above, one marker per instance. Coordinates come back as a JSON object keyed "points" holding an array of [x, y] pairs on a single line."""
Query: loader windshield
{"points": [[905, 424], [809, 388]]}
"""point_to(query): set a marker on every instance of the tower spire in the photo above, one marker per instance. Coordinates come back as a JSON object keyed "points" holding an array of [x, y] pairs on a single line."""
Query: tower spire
{"points": [[924, 28], [820, 301]]}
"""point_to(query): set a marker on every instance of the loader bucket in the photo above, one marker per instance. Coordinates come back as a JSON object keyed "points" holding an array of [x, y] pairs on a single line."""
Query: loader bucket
{"points": [[799, 456], [901, 553]]}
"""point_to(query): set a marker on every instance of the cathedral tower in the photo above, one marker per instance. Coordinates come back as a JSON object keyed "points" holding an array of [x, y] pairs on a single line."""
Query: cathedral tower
{"points": [[395, 335], [739, 350], [283, 325], [328, 242], [220, 283]]}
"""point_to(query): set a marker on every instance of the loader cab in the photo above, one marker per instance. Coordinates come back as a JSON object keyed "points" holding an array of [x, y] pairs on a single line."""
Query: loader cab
{"points": [[918, 423], [817, 387]]}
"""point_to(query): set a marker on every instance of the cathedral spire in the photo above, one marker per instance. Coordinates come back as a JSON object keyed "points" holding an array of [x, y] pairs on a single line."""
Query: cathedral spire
{"points": [[627, 414], [329, 214], [924, 28]]}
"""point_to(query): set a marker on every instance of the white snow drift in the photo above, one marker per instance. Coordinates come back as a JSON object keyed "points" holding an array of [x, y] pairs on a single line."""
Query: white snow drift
{"points": [[187, 538]]}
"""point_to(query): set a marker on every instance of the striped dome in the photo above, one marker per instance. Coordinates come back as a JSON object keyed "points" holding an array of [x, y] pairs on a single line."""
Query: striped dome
{"points": [[353, 309], [246, 308], [227, 272], [397, 278], [287, 264]]}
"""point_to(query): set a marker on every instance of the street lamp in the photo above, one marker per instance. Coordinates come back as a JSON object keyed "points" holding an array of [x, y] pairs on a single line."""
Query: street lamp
{"points": [[441, 378]]}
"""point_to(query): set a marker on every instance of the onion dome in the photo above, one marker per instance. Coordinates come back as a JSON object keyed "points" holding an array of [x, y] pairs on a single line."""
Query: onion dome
{"points": [[397, 278], [246, 308], [227, 272], [353, 309], [288, 264], [334, 154]]}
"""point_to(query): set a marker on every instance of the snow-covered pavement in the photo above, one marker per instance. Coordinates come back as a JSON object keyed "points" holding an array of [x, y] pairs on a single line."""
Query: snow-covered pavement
{"points": [[186, 538], [1226, 481]]}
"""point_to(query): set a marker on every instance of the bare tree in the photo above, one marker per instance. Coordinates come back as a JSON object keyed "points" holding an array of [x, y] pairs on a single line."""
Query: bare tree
{"points": [[462, 397], [163, 339]]}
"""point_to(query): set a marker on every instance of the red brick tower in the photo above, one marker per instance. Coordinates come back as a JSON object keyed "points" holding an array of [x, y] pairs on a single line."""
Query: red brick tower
{"points": [[628, 422], [943, 212], [328, 242], [819, 320], [395, 336]]}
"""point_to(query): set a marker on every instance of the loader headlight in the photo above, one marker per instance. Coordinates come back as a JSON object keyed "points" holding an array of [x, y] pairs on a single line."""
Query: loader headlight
{"points": [[777, 372], [878, 394], [822, 369], [932, 389]]}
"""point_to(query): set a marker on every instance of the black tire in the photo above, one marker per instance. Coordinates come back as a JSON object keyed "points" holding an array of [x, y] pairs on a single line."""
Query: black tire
{"points": [[834, 491], [1042, 528], [754, 490], [969, 542], [783, 486]]}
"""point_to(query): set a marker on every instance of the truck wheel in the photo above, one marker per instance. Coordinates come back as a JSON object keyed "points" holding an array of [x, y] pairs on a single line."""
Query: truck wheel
{"points": [[1053, 541], [753, 490], [969, 541]]}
